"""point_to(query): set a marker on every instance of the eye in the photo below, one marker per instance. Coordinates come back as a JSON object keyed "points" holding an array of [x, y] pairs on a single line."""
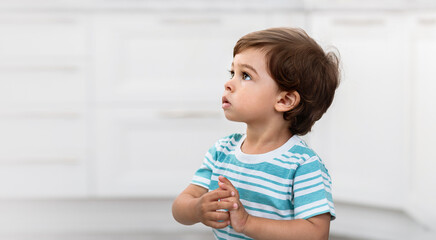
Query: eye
{"points": [[232, 74], [245, 76]]}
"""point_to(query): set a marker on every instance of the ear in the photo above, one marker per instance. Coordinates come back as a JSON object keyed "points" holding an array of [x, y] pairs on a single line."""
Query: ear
{"points": [[287, 101]]}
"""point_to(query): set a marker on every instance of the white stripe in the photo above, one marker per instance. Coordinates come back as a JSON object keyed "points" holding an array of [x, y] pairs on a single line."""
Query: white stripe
{"points": [[265, 207], [327, 177], [311, 205], [306, 176], [252, 180], [254, 172], [201, 179], [266, 215], [231, 142], [327, 184], [313, 211], [288, 165], [296, 156], [258, 190], [307, 191], [331, 204], [308, 183], [228, 237], [209, 156]]}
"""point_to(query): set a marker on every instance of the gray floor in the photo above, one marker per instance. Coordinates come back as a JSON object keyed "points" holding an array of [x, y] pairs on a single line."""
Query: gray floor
{"points": [[129, 236]]}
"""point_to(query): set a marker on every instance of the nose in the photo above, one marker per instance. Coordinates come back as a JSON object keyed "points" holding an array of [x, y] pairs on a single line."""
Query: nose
{"points": [[228, 86]]}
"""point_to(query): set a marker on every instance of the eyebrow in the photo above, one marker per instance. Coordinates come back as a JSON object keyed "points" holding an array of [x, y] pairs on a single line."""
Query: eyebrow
{"points": [[247, 66]]}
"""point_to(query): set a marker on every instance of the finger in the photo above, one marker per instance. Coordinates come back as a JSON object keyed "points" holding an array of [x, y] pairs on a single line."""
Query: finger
{"points": [[232, 203], [217, 225], [218, 216], [218, 194], [225, 183], [224, 186], [223, 205], [225, 180]]}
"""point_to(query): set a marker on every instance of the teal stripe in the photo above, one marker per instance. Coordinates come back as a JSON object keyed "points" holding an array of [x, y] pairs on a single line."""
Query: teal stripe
{"points": [[308, 187], [254, 184], [321, 212], [200, 183], [270, 212], [310, 209], [246, 174], [256, 197], [286, 162], [228, 141], [302, 150], [308, 179], [232, 234], [306, 168], [216, 235], [227, 148], [311, 197], [204, 173]]}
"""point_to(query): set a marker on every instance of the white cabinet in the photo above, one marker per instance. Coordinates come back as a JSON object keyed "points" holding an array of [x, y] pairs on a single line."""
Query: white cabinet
{"points": [[364, 135], [423, 116], [43, 105]]}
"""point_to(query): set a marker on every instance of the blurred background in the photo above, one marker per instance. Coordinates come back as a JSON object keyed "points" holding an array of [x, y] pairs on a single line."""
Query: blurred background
{"points": [[108, 106]]}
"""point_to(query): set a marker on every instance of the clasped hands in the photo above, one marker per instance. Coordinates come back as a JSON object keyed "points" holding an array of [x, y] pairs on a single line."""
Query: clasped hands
{"points": [[211, 207]]}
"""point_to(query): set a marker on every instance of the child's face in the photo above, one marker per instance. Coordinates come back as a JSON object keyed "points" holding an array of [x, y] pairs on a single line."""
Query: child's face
{"points": [[251, 93]]}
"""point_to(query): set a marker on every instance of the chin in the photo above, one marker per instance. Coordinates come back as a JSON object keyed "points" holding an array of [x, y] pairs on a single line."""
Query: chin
{"points": [[232, 118]]}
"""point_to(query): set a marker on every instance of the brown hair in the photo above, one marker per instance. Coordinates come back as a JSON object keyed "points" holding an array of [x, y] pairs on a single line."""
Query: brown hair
{"points": [[297, 63]]}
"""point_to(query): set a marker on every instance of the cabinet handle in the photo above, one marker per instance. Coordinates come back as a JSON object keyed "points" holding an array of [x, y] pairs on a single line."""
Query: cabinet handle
{"points": [[358, 22], [39, 161], [427, 22], [36, 20], [66, 69], [190, 21], [40, 114], [181, 114]]}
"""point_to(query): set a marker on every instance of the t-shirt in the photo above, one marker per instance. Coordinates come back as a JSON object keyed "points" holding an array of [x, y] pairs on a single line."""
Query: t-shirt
{"points": [[290, 182]]}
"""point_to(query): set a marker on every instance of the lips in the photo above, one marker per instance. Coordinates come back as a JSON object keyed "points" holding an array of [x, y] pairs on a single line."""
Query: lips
{"points": [[225, 103]]}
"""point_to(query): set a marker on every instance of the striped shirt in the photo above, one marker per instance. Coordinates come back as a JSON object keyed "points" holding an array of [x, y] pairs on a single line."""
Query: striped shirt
{"points": [[290, 182]]}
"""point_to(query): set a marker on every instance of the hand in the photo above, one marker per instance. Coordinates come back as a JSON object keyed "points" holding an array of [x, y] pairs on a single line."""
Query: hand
{"points": [[238, 216], [208, 205]]}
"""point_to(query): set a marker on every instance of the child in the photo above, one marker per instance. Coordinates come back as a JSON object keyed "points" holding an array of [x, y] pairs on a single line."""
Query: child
{"points": [[267, 183]]}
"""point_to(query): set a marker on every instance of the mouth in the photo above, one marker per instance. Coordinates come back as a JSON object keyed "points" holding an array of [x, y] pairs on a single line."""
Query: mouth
{"points": [[225, 103]]}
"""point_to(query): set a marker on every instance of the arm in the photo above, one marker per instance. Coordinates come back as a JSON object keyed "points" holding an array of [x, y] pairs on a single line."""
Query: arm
{"points": [[313, 228], [195, 204], [262, 228]]}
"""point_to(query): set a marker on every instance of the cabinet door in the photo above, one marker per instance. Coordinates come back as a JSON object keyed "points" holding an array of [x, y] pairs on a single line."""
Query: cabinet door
{"points": [[423, 114], [43, 118], [166, 57], [154, 151], [363, 136]]}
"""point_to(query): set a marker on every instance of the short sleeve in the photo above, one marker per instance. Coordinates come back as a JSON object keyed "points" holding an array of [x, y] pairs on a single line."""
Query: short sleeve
{"points": [[312, 193], [202, 176]]}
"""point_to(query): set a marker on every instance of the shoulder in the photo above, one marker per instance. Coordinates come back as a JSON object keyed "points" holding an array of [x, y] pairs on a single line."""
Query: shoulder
{"points": [[303, 154], [226, 144], [229, 141]]}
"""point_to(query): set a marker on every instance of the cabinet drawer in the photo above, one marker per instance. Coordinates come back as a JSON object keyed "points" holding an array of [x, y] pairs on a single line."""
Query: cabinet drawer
{"points": [[152, 152], [43, 153], [48, 82], [32, 34]]}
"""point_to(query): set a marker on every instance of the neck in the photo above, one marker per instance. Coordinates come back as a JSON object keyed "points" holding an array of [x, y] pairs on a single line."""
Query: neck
{"points": [[263, 139]]}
